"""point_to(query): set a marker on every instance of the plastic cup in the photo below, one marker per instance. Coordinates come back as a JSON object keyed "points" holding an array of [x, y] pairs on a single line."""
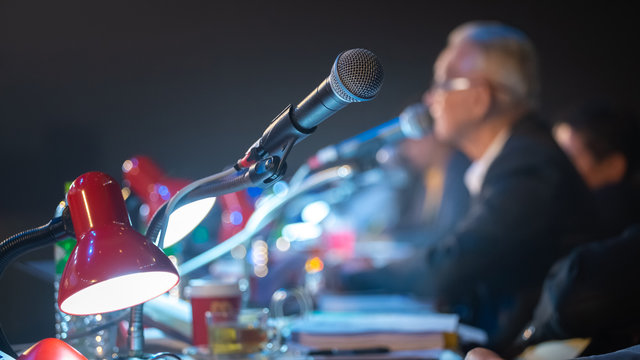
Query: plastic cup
{"points": [[247, 334], [217, 297]]}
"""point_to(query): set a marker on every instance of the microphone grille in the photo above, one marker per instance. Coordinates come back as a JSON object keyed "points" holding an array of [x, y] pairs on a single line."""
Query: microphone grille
{"points": [[416, 121], [356, 75]]}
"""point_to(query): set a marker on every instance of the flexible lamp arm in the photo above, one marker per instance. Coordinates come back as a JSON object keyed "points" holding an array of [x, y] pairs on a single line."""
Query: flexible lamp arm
{"points": [[259, 174], [228, 181], [265, 213], [18, 244]]}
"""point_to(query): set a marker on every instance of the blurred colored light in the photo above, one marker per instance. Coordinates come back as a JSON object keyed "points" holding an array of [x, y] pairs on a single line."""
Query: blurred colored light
{"points": [[280, 188], [235, 217], [315, 212], [344, 171], [126, 192], [254, 191], [314, 265], [127, 165], [261, 271], [283, 244], [164, 193], [144, 210], [301, 231], [239, 252]]}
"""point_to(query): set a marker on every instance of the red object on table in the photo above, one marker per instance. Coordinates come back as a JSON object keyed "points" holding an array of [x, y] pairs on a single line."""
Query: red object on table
{"points": [[51, 349]]}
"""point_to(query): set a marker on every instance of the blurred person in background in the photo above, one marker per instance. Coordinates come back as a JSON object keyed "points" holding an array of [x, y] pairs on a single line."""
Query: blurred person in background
{"points": [[528, 206], [602, 142], [591, 293]]}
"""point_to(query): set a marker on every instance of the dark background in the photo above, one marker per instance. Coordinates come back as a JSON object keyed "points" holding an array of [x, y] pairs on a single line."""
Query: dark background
{"points": [[84, 85]]}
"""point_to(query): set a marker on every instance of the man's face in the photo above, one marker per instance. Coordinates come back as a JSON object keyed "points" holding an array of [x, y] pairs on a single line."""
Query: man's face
{"points": [[457, 99], [593, 172]]}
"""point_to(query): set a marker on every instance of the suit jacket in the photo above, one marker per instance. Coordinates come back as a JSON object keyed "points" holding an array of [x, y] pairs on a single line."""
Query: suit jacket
{"points": [[532, 209], [591, 293]]}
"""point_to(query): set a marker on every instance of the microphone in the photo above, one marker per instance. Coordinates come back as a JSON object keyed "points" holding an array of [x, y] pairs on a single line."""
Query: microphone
{"points": [[356, 76], [413, 122]]}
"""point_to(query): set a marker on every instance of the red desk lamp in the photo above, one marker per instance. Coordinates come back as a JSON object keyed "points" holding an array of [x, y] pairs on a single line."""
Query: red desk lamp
{"points": [[53, 349], [112, 266]]}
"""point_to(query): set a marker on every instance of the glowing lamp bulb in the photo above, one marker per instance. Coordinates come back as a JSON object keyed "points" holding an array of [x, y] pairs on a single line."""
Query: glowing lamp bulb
{"points": [[155, 188], [184, 219]]}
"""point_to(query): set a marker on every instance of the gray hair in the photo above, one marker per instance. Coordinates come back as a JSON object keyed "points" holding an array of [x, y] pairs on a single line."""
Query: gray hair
{"points": [[509, 58]]}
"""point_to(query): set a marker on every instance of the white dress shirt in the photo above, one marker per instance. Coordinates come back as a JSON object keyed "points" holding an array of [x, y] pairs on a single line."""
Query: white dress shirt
{"points": [[475, 174]]}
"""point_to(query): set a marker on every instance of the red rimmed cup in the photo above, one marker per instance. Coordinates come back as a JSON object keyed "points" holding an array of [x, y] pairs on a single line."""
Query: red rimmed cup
{"points": [[222, 298]]}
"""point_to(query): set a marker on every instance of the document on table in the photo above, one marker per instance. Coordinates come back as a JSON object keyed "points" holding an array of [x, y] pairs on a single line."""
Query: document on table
{"points": [[364, 330]]}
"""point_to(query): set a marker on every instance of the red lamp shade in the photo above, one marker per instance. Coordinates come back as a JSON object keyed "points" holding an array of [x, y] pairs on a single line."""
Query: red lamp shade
{"points": [[112, 266], [50, 349]]}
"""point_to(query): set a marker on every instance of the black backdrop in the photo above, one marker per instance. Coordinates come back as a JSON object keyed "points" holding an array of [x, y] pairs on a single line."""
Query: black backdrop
{"points": [[84, 85]]}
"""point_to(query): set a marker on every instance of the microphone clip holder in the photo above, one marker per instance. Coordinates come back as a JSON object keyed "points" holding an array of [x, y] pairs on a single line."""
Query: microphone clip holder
{"points": [[276, 142]]}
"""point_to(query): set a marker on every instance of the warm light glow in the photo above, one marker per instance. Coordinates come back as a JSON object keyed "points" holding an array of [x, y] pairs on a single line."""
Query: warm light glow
{"points": [[527, 333], [119, 293], [184, 219], [315, 212], [314, 265], [260, 253], [126, 192], [260, 271], [127, 166]]}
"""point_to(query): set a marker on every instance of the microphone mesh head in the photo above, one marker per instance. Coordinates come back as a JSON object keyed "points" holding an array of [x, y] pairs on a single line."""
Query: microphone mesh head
{"points": [[416, 121], [356, 75]]}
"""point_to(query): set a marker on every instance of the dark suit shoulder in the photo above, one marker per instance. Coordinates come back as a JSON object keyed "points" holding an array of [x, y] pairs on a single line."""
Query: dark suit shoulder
{"points": [[531, 147]]}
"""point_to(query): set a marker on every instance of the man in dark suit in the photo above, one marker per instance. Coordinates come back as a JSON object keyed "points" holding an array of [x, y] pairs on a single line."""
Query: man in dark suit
{"points": [[601, 139], [529, 205]]}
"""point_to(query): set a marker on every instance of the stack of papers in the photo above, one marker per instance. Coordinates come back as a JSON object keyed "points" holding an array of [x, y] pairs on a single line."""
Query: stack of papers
{"points": [[362, 330], [385, 303]]}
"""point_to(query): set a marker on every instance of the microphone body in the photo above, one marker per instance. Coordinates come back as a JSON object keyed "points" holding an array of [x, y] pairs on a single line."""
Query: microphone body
{"points": [[356, 76], [414, 122]]}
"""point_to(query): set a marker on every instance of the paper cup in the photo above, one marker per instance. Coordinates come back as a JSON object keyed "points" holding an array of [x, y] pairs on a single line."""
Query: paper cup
{"points": [[218, 297]]}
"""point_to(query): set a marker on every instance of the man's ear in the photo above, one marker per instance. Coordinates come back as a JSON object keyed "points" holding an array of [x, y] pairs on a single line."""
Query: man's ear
{"points": [[481, 101]]}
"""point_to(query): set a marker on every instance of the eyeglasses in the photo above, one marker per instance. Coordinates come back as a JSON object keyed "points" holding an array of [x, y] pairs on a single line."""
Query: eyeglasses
{"points": [[454, 84], [463, 83]]}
